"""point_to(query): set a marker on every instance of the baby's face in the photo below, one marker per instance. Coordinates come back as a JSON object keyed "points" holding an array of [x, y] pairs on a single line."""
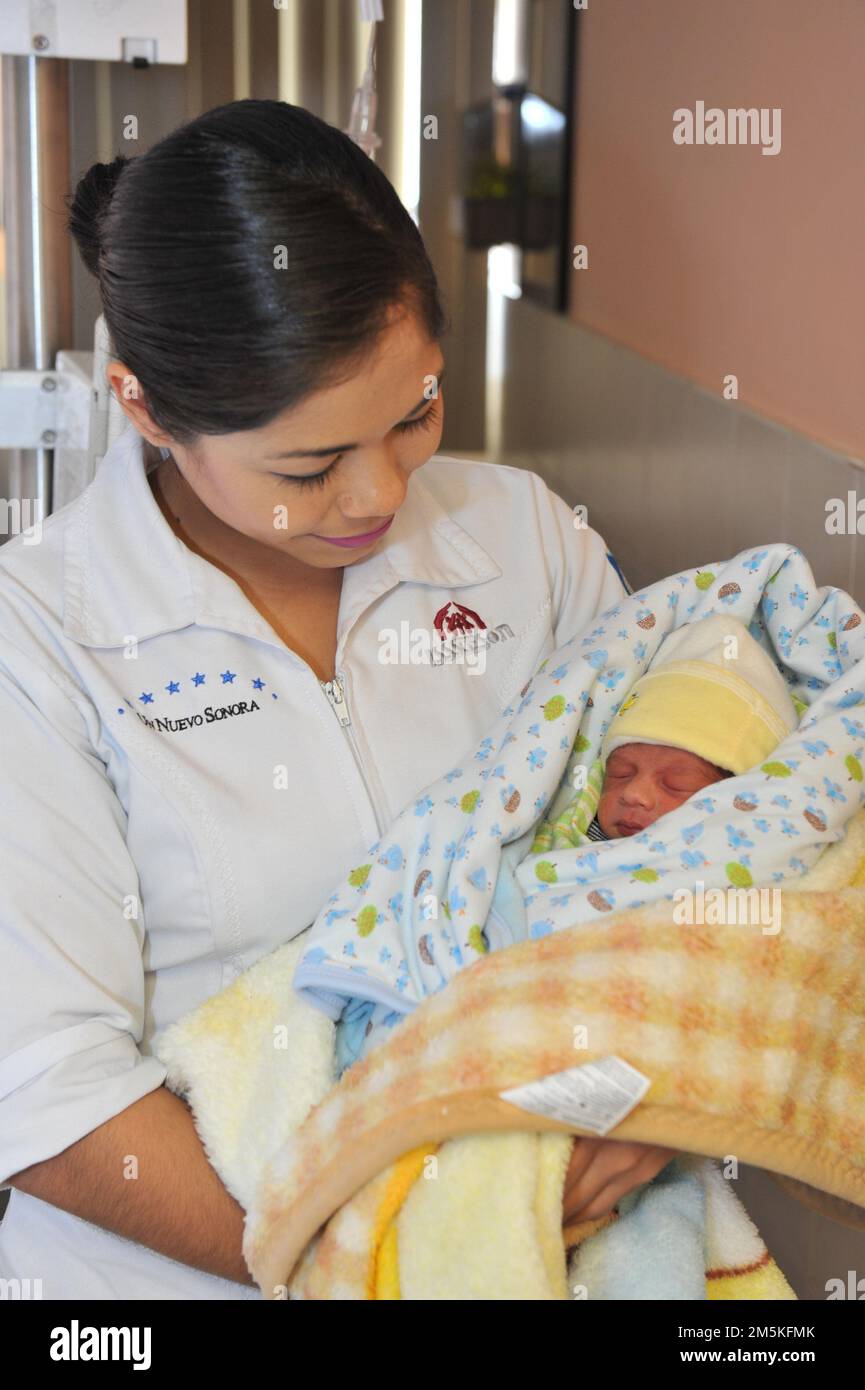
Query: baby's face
{"points": [[643, 781]]}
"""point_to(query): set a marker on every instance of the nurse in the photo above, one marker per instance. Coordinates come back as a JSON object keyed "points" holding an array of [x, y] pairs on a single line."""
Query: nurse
{"points": [[200, 733]]}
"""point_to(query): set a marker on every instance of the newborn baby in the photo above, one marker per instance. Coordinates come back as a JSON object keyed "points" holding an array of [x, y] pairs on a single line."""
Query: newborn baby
{"points": [[643, 781], [713, 705]]}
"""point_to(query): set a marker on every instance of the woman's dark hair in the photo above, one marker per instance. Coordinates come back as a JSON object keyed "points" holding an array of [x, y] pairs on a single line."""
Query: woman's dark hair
{"points": [[249, 258]]}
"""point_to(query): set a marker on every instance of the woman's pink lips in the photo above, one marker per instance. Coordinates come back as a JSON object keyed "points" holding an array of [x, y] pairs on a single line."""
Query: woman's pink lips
{"points": [[357, 540]]}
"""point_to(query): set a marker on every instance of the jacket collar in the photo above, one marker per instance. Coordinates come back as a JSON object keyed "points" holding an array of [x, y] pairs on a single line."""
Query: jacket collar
{"points": [[128, 576]]}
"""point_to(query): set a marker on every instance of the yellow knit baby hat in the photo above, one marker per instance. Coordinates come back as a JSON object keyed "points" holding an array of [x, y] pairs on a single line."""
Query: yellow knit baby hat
{"points": [[713, 691]]}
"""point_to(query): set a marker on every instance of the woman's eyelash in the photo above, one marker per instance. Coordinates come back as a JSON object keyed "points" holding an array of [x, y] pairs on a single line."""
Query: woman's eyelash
{"points": [[421, 423], [319, 479]]}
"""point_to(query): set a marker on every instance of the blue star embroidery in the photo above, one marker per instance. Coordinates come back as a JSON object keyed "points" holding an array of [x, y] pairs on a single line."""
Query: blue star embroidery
{"points": [[198, 679], [146, 699], [228, 677], [173, 687], [258, 683]]}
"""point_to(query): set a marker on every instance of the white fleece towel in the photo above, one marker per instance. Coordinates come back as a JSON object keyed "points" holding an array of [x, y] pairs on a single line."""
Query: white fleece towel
{"points": [[254, 1060]]}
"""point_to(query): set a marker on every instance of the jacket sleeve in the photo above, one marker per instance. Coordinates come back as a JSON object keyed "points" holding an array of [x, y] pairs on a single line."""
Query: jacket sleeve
{"points": [[585, 578], [72, 983]]}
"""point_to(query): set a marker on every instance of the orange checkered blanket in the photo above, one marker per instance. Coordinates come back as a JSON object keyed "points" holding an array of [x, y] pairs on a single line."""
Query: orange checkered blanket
{"points": [[754, 1046]]}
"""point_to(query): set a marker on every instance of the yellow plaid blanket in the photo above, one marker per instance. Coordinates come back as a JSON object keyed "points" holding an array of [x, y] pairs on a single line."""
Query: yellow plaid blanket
{"points": [[754, 1045]]}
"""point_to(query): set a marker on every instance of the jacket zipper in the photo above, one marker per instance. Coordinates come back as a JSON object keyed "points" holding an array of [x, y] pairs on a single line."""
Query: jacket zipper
{"points": [[335, 692]]}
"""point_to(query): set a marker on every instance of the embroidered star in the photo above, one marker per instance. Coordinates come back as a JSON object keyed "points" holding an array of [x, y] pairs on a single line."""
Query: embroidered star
{"points": [[145, 698], [173, 687], [258, 683], [228, 677], [198, 679]]}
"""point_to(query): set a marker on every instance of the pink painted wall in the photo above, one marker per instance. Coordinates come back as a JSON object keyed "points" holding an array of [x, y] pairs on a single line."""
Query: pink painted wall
{"points": [[712, 259]]}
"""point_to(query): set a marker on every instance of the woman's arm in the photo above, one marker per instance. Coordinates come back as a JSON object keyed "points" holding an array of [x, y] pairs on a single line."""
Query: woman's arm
{"points": [[175, 1204], [78, 1100]]}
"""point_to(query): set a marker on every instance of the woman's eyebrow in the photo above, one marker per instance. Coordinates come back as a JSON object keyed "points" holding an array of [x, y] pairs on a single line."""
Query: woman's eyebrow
{"points": [[344, 448]]}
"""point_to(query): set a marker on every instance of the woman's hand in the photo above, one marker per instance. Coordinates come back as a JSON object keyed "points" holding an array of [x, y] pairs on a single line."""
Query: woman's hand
{"points": [[603, 1170]]}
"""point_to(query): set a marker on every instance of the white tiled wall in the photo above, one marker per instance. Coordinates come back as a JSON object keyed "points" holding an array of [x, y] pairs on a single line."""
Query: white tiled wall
{"points": [[672, 476]]}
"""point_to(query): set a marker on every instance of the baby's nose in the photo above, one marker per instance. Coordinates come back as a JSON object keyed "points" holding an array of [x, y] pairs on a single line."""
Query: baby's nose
{"points": [[640, 791]]}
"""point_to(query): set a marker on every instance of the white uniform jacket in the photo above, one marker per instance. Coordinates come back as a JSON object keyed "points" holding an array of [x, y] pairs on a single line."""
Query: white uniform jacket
{"points": [[180, 793]]}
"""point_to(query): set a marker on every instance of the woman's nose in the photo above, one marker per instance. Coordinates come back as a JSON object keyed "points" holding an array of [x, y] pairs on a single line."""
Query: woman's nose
{"points": [[377, 487]]}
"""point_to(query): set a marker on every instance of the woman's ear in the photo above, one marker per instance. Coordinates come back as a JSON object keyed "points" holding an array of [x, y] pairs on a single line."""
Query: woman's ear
{"points": [[129, 395]]}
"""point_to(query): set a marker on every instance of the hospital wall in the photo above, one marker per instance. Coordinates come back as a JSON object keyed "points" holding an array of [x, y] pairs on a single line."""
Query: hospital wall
{"points": [[672, 475], [711, 259], [705, 261]]}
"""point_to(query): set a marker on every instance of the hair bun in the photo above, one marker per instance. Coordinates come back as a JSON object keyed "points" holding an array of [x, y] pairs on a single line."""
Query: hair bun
{"points": [[88, 206]]}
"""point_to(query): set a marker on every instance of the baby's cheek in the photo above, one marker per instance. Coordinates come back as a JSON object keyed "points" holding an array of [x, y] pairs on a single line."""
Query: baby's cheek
{"points": [[604, 808], [671, 802]]}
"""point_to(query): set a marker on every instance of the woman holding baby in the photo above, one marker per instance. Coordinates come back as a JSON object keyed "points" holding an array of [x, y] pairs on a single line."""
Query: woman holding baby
{"points": [[202, 739]]}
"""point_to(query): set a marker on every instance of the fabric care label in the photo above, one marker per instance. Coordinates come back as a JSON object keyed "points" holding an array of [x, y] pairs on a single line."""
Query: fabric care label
{"points": [[595, 1096]]}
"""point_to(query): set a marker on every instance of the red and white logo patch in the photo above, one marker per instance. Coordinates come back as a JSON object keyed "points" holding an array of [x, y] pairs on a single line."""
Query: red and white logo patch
{"points": [[453, 617]]}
